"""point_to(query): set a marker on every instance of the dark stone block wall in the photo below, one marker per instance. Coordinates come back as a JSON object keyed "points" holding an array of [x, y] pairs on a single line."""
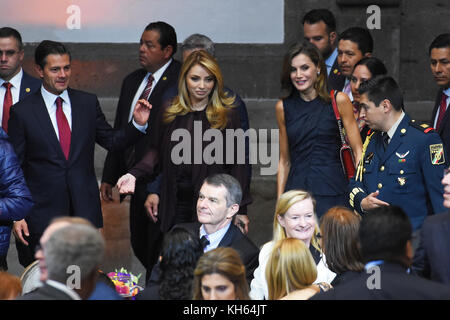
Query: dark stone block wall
{"points": [[253, 70]]}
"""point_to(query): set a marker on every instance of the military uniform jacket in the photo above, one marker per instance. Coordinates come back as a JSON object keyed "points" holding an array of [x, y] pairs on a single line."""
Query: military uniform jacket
{"points": [[407, 174]]}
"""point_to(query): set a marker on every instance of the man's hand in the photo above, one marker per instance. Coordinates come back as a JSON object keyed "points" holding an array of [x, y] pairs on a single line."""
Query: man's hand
{"points": [[20, 228], [151, 205], [106, 192], [141, 112], [371, 201], [126, 184], [242, 222]]}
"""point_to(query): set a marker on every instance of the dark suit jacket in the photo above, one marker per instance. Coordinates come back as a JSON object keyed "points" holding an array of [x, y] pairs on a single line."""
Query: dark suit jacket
{"points": [[336, 80], [62, 187], [444, 130], [46, 292], [235, 239], [432, 258], [28, 86], [395, 284], [115, 165]]}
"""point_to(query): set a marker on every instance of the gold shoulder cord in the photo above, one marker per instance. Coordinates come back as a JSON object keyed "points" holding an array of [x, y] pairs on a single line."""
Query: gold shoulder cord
{"points": [[359, 171]]}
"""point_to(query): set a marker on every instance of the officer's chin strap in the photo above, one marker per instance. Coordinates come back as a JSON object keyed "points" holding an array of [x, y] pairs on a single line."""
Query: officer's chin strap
{"points": [[359, 171]]}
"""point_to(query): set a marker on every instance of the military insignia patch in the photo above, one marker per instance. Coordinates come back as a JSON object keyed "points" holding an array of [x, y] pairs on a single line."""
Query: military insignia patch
{"points": [[437, 154]]}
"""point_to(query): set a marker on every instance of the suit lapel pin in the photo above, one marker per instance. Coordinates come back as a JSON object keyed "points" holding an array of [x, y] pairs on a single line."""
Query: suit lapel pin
{"points": [[27, 89], [164, 78]]}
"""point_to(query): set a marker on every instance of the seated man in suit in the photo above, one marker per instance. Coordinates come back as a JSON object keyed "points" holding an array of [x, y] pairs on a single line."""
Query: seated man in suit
{"points": [[319, 28], [385, 243], [217, 204], [54, 132], [73, 253], [439, 52], [432, 258]]}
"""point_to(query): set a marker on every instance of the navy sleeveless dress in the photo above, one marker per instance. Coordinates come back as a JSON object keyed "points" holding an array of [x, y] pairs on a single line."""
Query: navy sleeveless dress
{"points": [[314, 143]]}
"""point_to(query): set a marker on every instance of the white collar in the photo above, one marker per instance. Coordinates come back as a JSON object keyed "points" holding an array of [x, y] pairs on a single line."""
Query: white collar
{"points": [[49, 98], [58, 285], [392, 130], [214, 238], [158, 74]]}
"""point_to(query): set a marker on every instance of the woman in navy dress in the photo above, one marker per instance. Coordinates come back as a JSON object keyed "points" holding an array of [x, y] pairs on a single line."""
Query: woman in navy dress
{"points": [[308, 130]]}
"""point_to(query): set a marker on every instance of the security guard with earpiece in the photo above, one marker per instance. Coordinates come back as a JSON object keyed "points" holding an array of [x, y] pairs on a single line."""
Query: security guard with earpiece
{"points": [[403, 161]]}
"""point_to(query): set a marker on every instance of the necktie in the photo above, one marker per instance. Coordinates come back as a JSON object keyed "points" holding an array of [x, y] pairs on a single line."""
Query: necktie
{"points": [[7, 103], [63, 128], [442, 109], [385, 140], [146, 93], [130, 153], [204, 241]]}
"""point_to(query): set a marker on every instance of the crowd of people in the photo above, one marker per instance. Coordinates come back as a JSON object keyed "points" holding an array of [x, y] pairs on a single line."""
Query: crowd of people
{"points": [[383, 234]]}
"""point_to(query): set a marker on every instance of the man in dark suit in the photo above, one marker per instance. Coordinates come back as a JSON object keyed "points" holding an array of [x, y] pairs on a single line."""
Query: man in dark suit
{"points": [[439, 53], [319, 28], [432, 258], [385, 243], [15, 84], [158, 44], [54, 132], [218, 202], [73, 252]]}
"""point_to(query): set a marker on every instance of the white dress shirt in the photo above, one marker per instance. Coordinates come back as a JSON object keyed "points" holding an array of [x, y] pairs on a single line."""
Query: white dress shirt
{"points": [[214, 238]]}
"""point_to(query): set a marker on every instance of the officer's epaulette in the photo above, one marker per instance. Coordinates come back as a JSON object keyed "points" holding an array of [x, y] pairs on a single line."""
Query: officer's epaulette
{"points": [[422, 126]]}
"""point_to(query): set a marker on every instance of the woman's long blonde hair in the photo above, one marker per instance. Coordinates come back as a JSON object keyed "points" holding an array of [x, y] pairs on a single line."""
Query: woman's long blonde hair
{"points": [[290, 267], [219, 103], [287, 200]]}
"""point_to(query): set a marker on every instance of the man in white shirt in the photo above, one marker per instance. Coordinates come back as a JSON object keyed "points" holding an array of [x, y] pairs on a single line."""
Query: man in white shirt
{"points": [[54, 132], [439, 52], [218, 202], [354, 44], [319, 28], [15, 84], [158, 44]]}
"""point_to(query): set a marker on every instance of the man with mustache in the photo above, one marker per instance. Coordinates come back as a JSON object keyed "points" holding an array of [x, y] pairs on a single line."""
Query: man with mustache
{"points": [[156, 82], [354, 44], [439, 52], [54, 132]]}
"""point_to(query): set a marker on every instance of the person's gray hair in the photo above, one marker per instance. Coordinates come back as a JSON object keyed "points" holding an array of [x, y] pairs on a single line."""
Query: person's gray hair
{"points": [[76, 245], [234, 190], [198, 41]]}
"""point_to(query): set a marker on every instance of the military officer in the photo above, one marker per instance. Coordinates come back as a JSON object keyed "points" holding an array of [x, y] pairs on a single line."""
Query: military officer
{"points": [[403, 161]]}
